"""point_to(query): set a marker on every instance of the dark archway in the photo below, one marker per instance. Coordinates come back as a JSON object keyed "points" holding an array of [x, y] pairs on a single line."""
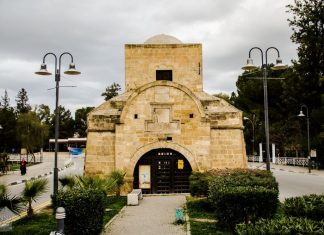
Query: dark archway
{"points": [[166, 171]]}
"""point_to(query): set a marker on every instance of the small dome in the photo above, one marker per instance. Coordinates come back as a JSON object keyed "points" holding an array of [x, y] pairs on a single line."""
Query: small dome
{"points": [[163, 39]]}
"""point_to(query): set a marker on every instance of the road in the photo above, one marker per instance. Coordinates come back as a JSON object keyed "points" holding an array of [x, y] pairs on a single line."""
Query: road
{"points": [[297, 184], [75, 169]]}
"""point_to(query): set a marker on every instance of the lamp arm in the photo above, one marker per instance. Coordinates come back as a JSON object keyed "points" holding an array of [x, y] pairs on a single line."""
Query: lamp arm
{"points": [[50, 53], [266, 53], [64, 53], [257, 48]]}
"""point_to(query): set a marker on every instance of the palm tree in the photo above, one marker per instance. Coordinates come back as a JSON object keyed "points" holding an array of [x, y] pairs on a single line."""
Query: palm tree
{"points": [[105, 184], [119, 177], [12, 203], [68, 181], [32, 191]]}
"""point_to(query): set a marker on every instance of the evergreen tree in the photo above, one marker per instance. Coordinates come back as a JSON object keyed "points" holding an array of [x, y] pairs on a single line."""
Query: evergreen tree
{"points": [[5, 101], [22, 102], [8, 123], [66, 124]]}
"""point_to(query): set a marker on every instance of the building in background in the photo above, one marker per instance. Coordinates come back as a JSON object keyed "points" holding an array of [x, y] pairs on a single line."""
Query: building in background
{"points": [[164, 126]]}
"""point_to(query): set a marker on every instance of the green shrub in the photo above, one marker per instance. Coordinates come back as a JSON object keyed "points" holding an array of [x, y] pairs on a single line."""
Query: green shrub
{"points": [[284, 225], [84, 210], [311, 207], [198, 184], [243, 196], [200, 208]]}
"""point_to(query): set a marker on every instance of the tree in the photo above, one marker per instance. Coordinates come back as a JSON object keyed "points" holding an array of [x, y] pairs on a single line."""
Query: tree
{"points": [[8, 123], [30, 131], [81, 120], [32, 191], [66, 122], [22, 102], [5, 101], [6, 201], [118, 177], [111, 91], [43, 112], [308, 32]]}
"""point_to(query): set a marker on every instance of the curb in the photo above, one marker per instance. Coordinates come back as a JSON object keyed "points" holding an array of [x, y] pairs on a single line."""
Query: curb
{"points": [[112, 220], [38, 176]]}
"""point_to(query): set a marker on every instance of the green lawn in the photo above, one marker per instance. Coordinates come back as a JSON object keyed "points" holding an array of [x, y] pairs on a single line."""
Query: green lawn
{"points": [[44, 222], [114, 205], [40, 224]]}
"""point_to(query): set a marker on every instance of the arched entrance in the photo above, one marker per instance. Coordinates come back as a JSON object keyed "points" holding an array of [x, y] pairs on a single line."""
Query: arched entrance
{"points": [[162, 171]]}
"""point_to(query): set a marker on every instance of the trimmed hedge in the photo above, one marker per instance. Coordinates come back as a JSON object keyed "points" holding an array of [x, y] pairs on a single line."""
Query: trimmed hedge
{"points": [[84, 209], [198, 184], [284, 225], [311, 207], [243, 196]]}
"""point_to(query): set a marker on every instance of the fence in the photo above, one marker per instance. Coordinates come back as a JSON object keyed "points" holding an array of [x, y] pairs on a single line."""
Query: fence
{"points": [[29, 158], [294, 161]]}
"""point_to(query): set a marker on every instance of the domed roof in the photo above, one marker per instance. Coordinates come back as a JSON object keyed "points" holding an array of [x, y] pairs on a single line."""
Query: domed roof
{"points": [[162, 39]]}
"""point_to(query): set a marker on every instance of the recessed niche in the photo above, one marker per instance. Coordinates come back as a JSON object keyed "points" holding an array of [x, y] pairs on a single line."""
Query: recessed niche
{"points": [[135, 116], [191, 115]]}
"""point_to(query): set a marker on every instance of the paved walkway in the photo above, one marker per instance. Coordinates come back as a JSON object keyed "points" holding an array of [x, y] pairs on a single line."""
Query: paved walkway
{"points": [[155, 215], [296, 169], [35, 171]]}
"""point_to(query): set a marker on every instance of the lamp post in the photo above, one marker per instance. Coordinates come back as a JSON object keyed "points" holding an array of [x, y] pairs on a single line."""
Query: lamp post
{"points": [[253, 131], [301, 114], [70, 71], [250, 66]]}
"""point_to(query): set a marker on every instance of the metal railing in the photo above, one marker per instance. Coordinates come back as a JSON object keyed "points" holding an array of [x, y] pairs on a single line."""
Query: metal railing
{"points": [[293, 161]]}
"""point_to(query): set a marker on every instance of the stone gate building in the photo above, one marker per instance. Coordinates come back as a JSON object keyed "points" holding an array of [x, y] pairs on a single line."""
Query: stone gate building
{"points": [[164, 126]]}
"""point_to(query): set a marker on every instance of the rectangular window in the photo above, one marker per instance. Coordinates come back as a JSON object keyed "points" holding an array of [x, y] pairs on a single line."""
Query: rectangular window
{"points": [[164, 75]]}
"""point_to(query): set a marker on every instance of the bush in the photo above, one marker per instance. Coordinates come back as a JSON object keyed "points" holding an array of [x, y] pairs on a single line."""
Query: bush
{"points": [[311, 207], [243, 196], [284, 225], [84, 209], [200, 208], [198, 184]]}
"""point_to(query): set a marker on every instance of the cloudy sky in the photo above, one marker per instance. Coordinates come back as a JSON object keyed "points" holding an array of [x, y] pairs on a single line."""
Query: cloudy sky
{"points": [[95, 33]]}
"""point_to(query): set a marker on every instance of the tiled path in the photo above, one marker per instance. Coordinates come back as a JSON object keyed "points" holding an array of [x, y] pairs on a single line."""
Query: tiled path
{"points": [[155, 215]]}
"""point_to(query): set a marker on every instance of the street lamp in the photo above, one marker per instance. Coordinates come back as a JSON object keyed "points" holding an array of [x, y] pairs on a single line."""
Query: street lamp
{"points": [[301, 114], [70, 71], [253, 140], [278, 66]]}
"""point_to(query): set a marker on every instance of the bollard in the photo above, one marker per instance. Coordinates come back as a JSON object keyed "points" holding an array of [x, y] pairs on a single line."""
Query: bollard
{"points": [[179, 215], [60, 216]]}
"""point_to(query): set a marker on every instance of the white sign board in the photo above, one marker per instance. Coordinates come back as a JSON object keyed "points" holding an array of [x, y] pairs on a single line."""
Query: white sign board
{"points": [[144, 176]]}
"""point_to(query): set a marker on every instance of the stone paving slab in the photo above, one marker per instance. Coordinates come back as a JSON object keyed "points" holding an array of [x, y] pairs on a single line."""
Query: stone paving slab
{"points": [[154, 215]]}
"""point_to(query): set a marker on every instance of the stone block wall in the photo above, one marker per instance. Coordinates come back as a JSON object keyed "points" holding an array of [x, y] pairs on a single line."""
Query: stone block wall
{"points": [[100, 153], [227, 149], [142, 61]]}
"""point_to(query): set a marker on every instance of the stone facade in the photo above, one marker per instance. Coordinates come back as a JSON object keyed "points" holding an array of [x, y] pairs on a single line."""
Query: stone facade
{"points": [[154, 114]]}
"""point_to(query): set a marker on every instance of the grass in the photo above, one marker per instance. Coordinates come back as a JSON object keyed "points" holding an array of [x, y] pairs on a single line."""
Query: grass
{"points": [[114, 205], [205, 228], [43, 223], [200, 208], [39, 224]]}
